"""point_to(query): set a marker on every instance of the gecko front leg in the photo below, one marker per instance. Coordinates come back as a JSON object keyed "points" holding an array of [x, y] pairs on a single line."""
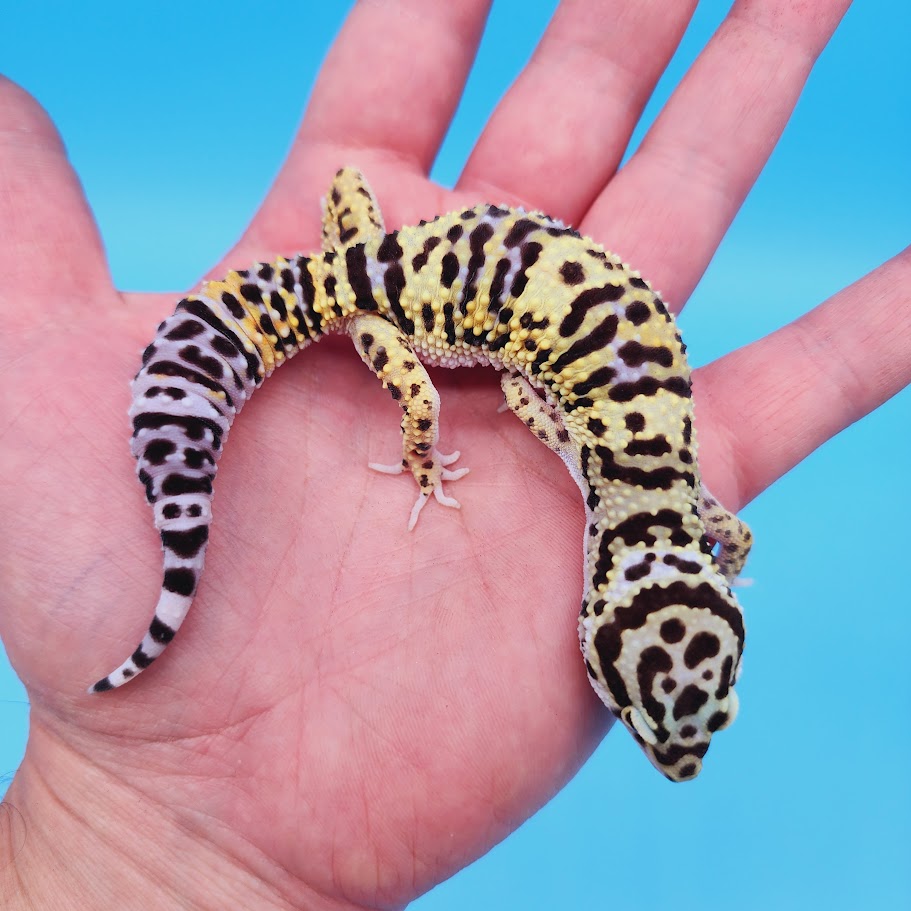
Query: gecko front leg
{"points": [[386, 351]]}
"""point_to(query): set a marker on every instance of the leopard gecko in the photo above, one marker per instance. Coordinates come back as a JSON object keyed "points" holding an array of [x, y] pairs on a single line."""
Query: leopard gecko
{"points": [[593, 365]]}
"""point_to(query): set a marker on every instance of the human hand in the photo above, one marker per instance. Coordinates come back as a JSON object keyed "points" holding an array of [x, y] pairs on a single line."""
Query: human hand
{"points": [[374, 733]]}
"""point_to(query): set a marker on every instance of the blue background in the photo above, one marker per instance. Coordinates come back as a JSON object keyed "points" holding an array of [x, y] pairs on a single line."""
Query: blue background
{"points": [[807, 802]]}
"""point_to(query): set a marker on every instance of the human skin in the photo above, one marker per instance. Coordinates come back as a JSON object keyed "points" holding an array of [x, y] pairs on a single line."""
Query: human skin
{"points": [[350, 715]]}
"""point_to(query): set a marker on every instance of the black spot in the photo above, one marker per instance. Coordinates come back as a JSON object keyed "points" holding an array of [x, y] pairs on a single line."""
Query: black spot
{"points": [[518, 232], [688, 731], [449, 269], [638, 312], [171, 511], [181, 581], [572, 273], [420, 260], [265, 272], [601, 336], [687, 430], [148, 354], [587, 299], [635, 354], [287, 279], [103, 685], [194, 426], [141, 659], [195, 458], [687, 771], [635, 422], [175, 484], [160, 631], [653, 446], [702, 646], [428, 318], [277, 302], [394, 284], [185, 330], [479, 236], [424, 424], [637, 528], [529, 256], [223, 346], [717, 721], [336, 196], [390, 250], [638, 283], [157, 451], [690, 700], [210, 365], [648, 385], [233, 305], [185, 544], [497, 285], [251, 293], [668, 684], [600, 377], [685, 566], [347, 234], [724, 683], [673, 630], [194, 510], [584, 402], [639, 571], [381, 359], [654, 660], [449, 323], [454, 233]]}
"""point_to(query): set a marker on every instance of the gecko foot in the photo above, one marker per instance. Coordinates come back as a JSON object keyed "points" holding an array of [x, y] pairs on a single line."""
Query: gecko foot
{"points": [[429, 472]]}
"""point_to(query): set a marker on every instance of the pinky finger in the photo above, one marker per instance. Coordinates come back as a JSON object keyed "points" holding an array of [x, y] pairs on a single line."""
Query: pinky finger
{"points": [[776, 400]]}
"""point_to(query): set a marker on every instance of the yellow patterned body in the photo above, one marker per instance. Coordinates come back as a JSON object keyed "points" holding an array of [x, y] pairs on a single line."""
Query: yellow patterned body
{"points": [[594, 366]]}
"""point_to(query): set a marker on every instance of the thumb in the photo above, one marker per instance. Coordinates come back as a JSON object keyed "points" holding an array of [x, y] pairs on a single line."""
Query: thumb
{"points": [[51, 254]]}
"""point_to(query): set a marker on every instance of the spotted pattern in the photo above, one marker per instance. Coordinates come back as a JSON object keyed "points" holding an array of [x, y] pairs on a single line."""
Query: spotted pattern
{"points": [[594, 366]]}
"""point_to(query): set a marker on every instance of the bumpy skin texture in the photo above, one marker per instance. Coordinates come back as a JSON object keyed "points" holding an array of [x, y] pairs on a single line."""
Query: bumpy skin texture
{"points": [[594, 366]]}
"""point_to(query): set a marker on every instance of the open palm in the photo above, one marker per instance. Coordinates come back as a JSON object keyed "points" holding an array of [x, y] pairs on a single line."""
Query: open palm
{"points": [[352, 711]]}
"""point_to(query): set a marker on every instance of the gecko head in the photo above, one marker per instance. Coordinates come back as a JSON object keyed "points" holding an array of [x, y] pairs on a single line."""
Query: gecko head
{"points": [[668, 672]]}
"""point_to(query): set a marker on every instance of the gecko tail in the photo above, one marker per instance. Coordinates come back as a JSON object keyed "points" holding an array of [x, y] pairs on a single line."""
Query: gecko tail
{"points": [[184, 525], [169, 614]]}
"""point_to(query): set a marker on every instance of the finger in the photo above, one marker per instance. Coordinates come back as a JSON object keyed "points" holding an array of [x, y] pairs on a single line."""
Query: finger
{"points": [[668, 208], [574, 106], [809, 380], [49, 244], [387, 92]]}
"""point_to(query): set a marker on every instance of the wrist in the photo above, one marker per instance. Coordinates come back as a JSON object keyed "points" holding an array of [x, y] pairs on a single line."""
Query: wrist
{"points": [[72, 835]]}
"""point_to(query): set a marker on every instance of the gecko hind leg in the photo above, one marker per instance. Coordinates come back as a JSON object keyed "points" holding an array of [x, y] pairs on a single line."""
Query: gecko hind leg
{"points": [[385, 350], [733, 535], [544, 421]]}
